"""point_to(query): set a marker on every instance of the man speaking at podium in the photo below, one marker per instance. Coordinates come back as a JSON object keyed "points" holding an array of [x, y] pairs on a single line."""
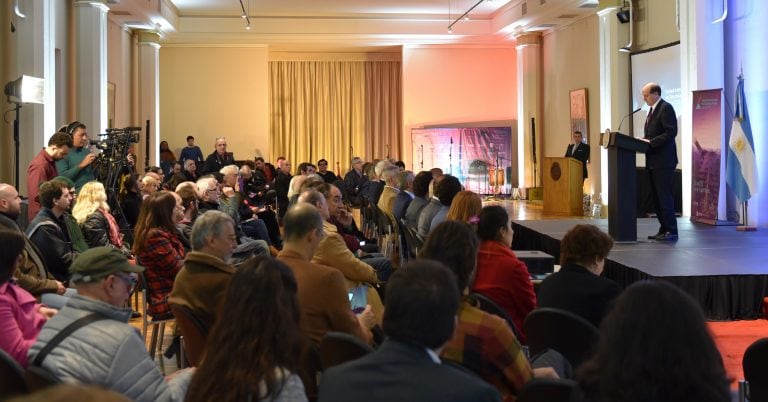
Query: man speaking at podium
{"points": [[661, 159], [579, 150]]}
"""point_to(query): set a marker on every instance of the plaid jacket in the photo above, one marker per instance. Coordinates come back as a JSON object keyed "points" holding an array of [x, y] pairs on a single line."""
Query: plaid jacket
{"points": [[485, 344], [162, 257]]}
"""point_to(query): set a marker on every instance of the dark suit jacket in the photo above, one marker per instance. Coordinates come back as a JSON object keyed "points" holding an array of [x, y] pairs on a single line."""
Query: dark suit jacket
{"points": [[661, 130], [401, 372], [214, 162], [402, 201], [579, 291], [582, 154]]}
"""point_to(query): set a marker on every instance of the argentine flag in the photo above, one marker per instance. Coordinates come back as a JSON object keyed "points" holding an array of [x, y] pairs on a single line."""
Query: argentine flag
{"points": [[741, 167]]}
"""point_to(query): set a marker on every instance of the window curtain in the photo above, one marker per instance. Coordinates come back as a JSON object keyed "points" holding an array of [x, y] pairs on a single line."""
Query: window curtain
{"points": [[335, 110]]}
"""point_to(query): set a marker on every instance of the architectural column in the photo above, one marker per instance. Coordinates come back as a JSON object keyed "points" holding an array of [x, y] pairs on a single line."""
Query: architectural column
{"points": [[34, 44], [702, 52], [91, 64], [529, 109], [149, 94], [614, 81]]}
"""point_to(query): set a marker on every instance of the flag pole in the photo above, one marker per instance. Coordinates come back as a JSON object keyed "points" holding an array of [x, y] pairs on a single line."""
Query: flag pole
{"points": [[746, 227]]}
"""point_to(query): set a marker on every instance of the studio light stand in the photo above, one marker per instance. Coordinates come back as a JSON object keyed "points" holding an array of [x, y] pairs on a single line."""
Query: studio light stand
{"points": [[25, 89]]}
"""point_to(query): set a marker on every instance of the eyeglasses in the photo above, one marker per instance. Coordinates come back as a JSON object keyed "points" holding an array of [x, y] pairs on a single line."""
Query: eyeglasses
{"points": [[131, 280]]}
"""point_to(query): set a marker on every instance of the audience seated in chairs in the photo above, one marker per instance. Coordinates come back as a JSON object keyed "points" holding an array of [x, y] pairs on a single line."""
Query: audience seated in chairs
{"points": [[578, 286], [483, 342], [323, 295], [389, 193], [445, 188], [49, 232], [254, 347], [208, 190], [421, 198], [159, 249], [500, 275], [405, 196], [31, 273], [342, 219], [98, 225], [22, 316], [104, 279], [422, 302], [334, 253], [353, 180], [465, 207], [655, 346], [202, 281]]}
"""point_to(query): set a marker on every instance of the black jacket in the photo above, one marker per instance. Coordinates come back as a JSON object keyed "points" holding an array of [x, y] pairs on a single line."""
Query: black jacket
{"points": [[51, 237], [214, 162], [96, 233], [582, 154], [579, 291], [661, 131]]}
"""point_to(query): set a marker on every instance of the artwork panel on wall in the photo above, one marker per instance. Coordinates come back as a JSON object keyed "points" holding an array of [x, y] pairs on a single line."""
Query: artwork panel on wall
{"points": [[579, 113]]}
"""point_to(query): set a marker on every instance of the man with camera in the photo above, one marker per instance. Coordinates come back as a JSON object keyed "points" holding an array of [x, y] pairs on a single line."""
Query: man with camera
{"points": [[78, 164]]}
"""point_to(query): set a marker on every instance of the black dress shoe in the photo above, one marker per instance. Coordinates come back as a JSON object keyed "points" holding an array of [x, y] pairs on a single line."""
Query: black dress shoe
{"points": [[666, 236]]}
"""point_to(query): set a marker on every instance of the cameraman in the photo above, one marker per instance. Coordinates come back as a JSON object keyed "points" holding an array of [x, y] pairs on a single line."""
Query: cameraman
{"points": [[77, 165]]}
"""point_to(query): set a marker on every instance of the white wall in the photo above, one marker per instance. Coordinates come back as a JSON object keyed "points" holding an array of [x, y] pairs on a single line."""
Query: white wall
{"points": [[216, 91]]}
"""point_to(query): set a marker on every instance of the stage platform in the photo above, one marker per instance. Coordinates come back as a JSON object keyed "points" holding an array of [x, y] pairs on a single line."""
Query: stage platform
{"points": [[725, 270]]}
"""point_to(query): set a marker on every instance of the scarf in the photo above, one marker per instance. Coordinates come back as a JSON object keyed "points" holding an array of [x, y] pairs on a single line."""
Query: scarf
{"points": [[114, 230]]}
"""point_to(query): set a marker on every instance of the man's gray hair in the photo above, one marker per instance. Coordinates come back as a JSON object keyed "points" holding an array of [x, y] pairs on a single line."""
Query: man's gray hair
{"points": [[403, 178], [203, 183], [209, 224], [229, 169]]}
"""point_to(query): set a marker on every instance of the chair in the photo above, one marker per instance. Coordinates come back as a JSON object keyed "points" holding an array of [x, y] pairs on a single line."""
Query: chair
{"points": [[157, 326], [754, 388], [11, 376], [572, 336], [194, 332], [489, 306], [37, 378], [310, 368], [548, 390], [338, 347]]}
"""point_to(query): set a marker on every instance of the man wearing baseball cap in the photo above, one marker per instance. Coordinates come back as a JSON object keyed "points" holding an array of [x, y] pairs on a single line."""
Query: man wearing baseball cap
{"points": [[103, 349]]}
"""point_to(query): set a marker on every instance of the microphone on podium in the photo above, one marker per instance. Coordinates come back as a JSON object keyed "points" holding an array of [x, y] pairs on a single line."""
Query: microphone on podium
{"points": [[625, 117]]}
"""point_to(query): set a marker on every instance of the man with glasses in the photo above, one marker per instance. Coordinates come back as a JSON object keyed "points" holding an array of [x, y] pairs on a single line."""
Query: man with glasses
{"points": [[104, 279], [327, 175], [219, 158], [354, 180]]}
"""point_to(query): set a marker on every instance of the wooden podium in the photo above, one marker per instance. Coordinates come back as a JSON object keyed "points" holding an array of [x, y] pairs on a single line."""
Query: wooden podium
{"points": [[563, 193]]}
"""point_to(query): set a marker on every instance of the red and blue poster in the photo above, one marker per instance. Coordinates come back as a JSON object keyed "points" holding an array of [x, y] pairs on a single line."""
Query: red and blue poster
{"points": [[707, 152]]}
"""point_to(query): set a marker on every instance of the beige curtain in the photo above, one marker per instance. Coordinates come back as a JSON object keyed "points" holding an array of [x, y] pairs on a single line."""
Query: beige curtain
{"points": [[335, 110]]}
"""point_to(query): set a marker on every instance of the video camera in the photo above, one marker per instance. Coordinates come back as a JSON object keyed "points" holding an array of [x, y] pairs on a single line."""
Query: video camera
{"points": [[115, 142], [114, 146]]}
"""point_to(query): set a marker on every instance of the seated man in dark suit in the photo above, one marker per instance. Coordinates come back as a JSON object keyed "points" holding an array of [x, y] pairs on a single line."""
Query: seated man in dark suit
{"points": [[578, 286], [579, 150], [422, 300]]}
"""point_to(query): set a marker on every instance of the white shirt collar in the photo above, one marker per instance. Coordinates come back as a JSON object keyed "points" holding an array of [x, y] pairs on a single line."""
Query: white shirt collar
{"points": [[657, 102], [410, 194]]}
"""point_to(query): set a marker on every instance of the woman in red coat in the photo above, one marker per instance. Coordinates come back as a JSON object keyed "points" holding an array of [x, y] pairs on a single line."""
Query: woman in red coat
{"points": [[500, 275], [158, 248]]}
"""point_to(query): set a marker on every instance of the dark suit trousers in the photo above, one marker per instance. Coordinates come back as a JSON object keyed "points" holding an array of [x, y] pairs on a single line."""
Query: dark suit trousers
{"points": [[663, 201]]}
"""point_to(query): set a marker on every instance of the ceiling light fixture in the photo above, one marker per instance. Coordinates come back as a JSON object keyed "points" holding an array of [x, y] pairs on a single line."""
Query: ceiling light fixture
{"points": [[464, 16], [244, 15]]}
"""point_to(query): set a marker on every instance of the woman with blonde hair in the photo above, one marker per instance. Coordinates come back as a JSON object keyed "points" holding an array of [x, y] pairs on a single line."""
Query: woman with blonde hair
{"points": [[465, 207], [99, 227], [149, 186]]}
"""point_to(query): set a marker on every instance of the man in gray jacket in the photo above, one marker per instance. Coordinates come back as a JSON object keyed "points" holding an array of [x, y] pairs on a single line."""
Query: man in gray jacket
{"points": [[107, 352]]}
